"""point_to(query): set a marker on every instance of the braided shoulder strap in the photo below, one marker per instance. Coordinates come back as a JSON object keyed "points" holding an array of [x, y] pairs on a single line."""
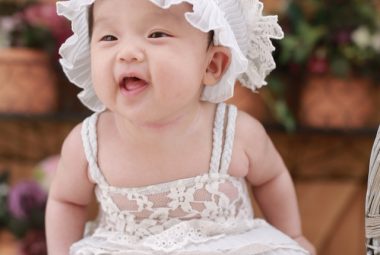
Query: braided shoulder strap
{"points": [[229, 139], [90, 145]]}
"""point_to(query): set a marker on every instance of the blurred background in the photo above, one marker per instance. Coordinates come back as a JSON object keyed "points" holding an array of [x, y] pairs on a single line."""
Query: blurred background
{"points": [[321, 108]]}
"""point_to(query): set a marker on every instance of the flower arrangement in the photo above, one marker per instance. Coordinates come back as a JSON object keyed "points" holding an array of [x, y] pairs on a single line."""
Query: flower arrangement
{"points": [[30, 35], [22, 207], [323, 38], [30, 24], [339, 37]]}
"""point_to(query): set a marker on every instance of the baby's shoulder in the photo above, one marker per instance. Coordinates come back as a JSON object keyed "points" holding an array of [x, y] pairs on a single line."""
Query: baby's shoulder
{"points": [[249, 129], [249, 141], [72, 147]]}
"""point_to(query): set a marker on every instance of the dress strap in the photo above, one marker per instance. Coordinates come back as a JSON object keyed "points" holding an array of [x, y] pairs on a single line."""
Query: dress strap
{"points": [[90, 145], [229, 139], [217, 136], [223, 138]]}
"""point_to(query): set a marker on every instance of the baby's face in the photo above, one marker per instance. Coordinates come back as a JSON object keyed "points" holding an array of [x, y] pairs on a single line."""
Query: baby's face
{"points": [[148, 63]]}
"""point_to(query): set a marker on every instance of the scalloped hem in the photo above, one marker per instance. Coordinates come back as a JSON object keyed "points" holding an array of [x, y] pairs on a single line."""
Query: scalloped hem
{"points": [[261, 240]]}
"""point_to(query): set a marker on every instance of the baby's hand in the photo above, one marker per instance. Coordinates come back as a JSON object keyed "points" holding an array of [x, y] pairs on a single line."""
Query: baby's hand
{"points": [[301, 240]]}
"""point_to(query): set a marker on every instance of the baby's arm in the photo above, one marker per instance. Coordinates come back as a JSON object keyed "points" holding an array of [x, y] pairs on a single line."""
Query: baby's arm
{"points": [[271, 182], [70, 193]]}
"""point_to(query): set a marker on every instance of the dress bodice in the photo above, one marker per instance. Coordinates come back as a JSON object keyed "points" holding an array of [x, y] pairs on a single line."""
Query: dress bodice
{"points": [[169, 215]]}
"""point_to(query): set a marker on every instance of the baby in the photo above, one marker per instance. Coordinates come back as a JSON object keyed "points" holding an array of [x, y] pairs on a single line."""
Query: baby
{"points": [[167, 159]]}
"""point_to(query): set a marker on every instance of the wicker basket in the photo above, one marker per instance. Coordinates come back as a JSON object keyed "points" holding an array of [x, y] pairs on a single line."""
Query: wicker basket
{"points": [[27, 82], [331, 102]]}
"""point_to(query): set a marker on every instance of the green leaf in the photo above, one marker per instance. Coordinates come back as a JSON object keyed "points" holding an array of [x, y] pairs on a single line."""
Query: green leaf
{"points": [[284, 116], [18, 227], [340, 67]]}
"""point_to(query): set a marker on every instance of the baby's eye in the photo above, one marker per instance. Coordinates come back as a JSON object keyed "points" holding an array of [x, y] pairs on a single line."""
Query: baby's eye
{"points": [[158, 35], [108, 38]]}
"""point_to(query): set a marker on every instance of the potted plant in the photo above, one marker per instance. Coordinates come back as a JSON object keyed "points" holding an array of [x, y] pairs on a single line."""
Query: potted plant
{"points": [[22, 208], [22, 215], [30, 33], [332, 51]]}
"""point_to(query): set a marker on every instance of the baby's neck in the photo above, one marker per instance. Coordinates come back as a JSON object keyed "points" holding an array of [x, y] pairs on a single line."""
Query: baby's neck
{"points": [[158, 132]]}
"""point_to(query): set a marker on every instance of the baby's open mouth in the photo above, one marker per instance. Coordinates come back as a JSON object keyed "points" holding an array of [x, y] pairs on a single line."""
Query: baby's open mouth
{"points": [[132, 85]]}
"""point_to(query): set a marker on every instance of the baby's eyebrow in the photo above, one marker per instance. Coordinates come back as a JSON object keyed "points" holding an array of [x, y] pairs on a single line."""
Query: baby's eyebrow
{"points": [[154, 16], [102, 20], [174, 13], [165, 14]]}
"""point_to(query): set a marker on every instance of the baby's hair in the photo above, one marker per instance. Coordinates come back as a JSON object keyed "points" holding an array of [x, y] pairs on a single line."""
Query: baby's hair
{"points": [[90, 20], [91, 24]]}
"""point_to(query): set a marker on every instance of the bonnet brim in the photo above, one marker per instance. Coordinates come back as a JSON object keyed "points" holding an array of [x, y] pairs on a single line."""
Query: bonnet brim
{"points": [[237, 25]]}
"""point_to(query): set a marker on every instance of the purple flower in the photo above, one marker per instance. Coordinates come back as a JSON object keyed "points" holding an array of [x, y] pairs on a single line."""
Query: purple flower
{"points": [[342, 37], [26, 197]]}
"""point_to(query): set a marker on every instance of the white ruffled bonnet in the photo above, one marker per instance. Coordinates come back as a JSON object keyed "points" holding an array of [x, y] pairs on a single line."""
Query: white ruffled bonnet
{"points": [[237, 24]]}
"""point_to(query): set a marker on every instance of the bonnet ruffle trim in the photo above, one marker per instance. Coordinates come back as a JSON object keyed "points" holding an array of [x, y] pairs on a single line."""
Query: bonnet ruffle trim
{"points": [[75, 52], [247, 36], [261, 29]]}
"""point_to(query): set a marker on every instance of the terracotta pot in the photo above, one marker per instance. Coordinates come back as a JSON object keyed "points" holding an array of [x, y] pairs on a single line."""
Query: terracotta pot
{"points": [[27, 82], [274, 6], [251, 103], [331, 102], [376, 119]]}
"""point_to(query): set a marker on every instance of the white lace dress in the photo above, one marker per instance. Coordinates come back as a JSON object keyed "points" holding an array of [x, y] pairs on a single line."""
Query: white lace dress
{"points": [[206, 214]]}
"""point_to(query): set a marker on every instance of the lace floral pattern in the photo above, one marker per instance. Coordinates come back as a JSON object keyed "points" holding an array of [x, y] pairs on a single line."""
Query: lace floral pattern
{"points": [[193, 213], [170, 216], [176, 213]]}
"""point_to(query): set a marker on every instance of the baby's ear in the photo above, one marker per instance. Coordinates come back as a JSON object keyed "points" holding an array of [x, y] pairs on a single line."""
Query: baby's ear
{"points": [[219, 61]]}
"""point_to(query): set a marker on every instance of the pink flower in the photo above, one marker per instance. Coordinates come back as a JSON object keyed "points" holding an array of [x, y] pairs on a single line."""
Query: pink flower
{"points": [[45, 15], [318, 65], [25, 198]]}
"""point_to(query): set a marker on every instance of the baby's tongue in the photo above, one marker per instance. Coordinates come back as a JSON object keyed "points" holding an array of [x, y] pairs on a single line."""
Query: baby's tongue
{"points": [[134, 83]]}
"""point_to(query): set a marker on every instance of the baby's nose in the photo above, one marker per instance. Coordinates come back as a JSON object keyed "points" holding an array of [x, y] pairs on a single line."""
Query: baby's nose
{"points": [[131, 53]]}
